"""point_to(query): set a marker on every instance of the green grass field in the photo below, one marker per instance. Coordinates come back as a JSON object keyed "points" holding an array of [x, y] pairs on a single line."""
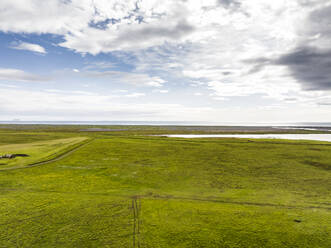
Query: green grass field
{"points": [[122, 189]]}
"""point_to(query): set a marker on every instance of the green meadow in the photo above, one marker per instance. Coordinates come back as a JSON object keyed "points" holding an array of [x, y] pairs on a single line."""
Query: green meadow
{"points": [[128, 189]]}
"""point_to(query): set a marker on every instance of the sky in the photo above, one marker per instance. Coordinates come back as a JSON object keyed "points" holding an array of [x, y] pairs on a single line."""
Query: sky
{"points": [[175, 60]]}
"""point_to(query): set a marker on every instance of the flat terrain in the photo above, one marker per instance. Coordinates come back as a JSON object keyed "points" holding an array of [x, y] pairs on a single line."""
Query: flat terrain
{"points": [[126, 189]]}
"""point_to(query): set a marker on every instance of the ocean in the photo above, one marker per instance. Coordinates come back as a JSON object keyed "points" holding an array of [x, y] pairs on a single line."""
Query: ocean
{"points": [[174, 123]]}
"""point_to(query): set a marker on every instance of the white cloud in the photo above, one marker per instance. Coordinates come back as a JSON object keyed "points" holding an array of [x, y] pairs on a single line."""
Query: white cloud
{"points": [[135, 95], [67, 106], [126, 37], [26, 105], [100, 65], [76, 93], [52, 16], [137, 79], [8, 86], [29, 47], [78, 20], [9, 74], [220, 98], [163, 91], [121, 91]]}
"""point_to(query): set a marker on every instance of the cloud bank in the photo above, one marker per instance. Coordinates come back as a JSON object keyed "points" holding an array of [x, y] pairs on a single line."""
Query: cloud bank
{"points": [[274, 53], [9, 74]]}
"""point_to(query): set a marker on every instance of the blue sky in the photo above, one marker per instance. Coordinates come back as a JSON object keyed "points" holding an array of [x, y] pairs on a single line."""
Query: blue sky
{"points": [[214, 60]]}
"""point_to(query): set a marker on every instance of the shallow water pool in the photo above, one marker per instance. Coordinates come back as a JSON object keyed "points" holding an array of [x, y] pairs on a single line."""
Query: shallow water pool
{"points": [[315, 137]]}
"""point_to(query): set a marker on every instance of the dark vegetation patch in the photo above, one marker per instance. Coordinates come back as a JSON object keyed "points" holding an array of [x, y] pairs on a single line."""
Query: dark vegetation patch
{"points": [[315, 149], [10, 156], [322, 165]]}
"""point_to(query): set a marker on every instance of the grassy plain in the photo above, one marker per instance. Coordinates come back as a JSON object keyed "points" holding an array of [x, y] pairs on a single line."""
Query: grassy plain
{"points": [[122, 189]]}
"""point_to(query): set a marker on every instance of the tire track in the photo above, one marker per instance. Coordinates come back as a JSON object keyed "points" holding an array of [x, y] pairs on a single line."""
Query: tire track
{"points": [[136, 207], [221, 201], [172, 197]]}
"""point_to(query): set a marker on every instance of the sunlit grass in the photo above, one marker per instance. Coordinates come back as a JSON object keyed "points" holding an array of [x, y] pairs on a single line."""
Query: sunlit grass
{"points": [[136, 191], [36, 151]]}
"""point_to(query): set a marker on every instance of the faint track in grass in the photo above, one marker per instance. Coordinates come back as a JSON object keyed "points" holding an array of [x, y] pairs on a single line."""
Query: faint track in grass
{"points": [[136, 207], [172, 197], [257, 204], [57, 158]]}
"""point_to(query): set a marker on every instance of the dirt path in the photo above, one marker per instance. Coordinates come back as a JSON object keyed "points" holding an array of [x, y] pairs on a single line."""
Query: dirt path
{"points": [[60, 156]]}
